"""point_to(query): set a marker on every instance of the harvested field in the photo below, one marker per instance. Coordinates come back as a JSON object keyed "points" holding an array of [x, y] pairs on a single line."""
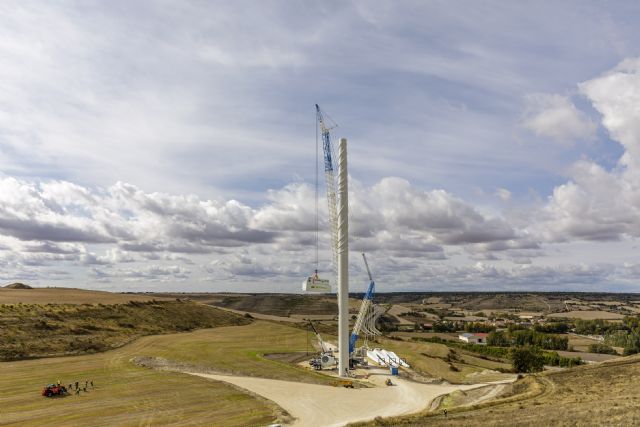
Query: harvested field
{"points": [[588, 315], [436, 360], [581, 343], [589, 357], [68, 296]]}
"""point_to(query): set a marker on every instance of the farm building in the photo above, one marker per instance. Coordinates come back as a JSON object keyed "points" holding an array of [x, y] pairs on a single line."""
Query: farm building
{"points": [[469, 338]]}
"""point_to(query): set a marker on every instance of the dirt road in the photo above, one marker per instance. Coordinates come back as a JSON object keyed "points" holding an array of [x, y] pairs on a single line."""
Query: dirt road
{"points": [[317, 405]]}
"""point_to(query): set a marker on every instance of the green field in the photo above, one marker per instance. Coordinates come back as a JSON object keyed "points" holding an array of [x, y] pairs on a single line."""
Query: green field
{"points": [[126, 394]]}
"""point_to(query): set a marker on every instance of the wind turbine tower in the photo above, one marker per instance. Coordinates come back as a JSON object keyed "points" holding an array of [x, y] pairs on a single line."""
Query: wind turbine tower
{"points": [[343, 260]]}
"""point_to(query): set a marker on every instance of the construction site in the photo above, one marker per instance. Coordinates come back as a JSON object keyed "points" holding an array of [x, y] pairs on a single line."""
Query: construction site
{"points": [[351, 374], [334, 354], [345, 356]]}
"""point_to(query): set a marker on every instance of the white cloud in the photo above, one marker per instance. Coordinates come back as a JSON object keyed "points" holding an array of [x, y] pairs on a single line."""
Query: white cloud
{"points": [[205, 118], [556, 117], [599, 204], [616, 95]]}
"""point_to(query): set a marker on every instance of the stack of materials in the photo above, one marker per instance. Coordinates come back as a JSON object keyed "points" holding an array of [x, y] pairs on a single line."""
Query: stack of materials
{"points": [[386, 358]]}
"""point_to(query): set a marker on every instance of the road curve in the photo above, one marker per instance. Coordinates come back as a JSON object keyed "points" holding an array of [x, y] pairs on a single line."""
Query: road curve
{"points": [[318, 405]]}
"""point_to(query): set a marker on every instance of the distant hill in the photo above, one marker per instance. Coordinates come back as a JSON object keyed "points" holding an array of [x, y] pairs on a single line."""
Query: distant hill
{"points": [[13, 294], [280, 304], [18, 285]]}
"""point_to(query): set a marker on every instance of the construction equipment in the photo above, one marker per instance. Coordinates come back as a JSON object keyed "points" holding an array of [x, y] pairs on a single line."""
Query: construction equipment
{"points": [[365, 322], [314, 283], [54, 390], [345, 384], [325, 360]]}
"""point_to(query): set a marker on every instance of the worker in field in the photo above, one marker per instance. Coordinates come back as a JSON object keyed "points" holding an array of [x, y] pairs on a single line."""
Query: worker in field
{"points": [[445, 413], [77, 385]]}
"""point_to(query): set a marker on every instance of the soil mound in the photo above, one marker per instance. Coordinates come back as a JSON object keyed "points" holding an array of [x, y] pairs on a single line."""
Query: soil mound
{"points": [[18, 286]]}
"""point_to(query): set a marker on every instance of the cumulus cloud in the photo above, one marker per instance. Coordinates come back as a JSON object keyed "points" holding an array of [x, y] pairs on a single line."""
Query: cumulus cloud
{"points": [[391, 215], [150, 273], [599, 204], [615, 95], [556, 117], [122, 224]]}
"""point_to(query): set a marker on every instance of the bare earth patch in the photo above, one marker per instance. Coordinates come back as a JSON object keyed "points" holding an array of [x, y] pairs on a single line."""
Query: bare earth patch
{"points": [[589, 315]]}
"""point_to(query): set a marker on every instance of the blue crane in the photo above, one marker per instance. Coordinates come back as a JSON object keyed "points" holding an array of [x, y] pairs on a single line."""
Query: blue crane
{"points": [[365, 308]]}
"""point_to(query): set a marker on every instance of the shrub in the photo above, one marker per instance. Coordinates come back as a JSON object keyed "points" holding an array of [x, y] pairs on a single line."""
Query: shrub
{"points": [[602, 349]]}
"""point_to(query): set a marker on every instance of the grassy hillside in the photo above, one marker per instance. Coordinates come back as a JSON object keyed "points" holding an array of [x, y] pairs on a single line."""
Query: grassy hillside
{"points": [[39, 330], [127, 394], [595, 395]]}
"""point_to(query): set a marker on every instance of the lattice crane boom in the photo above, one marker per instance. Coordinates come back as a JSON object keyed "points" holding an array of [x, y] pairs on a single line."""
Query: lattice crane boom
{"points": [[365, 316], [332, 199]]}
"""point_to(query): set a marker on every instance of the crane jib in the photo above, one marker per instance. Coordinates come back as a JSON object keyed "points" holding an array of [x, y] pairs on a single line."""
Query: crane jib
{"points": [[326, 145]]}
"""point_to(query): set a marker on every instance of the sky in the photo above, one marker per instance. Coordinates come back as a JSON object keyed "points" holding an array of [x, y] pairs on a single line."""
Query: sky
{"points": [[170, 146]]}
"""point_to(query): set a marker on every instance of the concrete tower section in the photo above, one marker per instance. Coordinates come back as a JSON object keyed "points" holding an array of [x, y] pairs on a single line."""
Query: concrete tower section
{"points": [[343, 260]]}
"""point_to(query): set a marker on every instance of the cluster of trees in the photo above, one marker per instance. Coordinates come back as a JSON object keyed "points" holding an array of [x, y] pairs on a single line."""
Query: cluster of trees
{"points": [[552, 327], [528, 358], [602, 349], [594, 327], [527, 337], [445, 327], [478, 327], [626, 335]]}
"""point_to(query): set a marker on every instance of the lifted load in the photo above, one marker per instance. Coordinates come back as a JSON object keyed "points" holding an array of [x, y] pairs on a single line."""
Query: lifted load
{"points": [[316, 284]]}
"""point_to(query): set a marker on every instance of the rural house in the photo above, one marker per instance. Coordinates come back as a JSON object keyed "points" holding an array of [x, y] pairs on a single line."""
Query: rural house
{"points": [[477, 338]]}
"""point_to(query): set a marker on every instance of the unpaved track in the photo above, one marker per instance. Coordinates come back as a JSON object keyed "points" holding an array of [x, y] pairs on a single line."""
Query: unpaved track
{"points": [[317, 405]]}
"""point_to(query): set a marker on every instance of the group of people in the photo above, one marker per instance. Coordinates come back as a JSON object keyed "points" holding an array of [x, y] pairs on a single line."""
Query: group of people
{"points": [[87, 383]]}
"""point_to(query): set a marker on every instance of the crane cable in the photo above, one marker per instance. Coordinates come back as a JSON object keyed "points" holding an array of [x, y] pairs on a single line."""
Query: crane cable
{"points": [[317, 215]]}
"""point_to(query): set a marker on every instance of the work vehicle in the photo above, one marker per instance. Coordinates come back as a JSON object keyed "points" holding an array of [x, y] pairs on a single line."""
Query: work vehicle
{"points": [[54, 390]]}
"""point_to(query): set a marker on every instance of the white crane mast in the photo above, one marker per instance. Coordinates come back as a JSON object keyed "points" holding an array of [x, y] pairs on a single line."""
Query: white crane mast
{"points": [[330, 180]]}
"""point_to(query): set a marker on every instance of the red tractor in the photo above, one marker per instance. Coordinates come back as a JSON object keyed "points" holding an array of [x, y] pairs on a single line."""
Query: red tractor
{"points": [[54, 390]]}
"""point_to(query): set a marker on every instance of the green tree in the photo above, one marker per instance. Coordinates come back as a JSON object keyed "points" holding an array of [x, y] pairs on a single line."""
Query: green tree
{"points": [[498, 339], [527, 359]]}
